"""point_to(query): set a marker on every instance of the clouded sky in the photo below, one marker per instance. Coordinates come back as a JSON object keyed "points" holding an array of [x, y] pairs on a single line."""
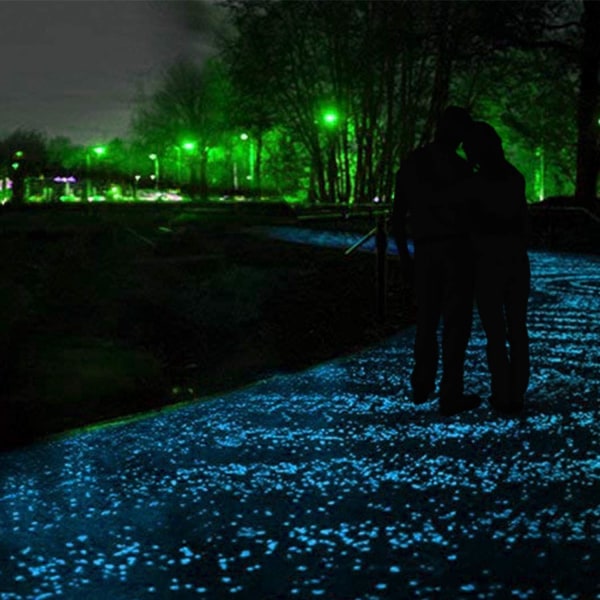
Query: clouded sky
{"points": [[72, 67]]}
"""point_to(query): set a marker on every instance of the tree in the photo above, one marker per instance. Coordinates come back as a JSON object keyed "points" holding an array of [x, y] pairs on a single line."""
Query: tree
{"points": [[384, 69], [326, 71], [565, 34], [23, 154], [189, 104], [588, 119], [387, 70]]}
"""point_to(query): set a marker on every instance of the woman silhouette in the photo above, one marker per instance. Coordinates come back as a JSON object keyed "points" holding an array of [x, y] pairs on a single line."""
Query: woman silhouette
{"points": [[499, 224]]}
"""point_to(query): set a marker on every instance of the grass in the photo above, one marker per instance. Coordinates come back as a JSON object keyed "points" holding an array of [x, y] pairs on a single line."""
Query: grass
{"points": [[110, 314]]}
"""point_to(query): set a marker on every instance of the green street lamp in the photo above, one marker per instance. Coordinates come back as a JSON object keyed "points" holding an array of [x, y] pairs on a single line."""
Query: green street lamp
{"points": [[98, 151], [17, 176], [249, 147], [330, 117], [154, 158], [189, 147], [18, 155]]}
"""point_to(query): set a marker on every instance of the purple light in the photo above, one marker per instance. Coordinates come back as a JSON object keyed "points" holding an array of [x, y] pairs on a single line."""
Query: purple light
{"points": [[69, 179]]}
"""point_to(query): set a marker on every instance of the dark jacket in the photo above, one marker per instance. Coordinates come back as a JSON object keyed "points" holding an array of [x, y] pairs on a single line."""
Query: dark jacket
{"points": [[420, 193], [499, 209]]}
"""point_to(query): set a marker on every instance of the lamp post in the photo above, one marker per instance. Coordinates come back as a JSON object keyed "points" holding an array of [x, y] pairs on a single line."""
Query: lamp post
{"points": [[188, 147], [154, 158], [98, 151], [136, 181], [18, 178], [178, 152], [246, 138], [330, 118]]}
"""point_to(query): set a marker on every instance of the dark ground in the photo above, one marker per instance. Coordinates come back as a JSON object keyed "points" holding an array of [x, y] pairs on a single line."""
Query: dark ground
{"points": [[113, 312]]}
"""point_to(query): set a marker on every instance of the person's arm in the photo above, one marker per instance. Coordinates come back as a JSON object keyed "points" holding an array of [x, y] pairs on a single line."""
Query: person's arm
{"points": [[399, 220]]}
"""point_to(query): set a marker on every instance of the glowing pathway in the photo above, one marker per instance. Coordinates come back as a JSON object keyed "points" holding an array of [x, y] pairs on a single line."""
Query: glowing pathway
{"points": [[330, 484]]}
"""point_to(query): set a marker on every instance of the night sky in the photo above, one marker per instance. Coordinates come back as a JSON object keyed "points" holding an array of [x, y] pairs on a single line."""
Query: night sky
{"points": [[74, 67]]}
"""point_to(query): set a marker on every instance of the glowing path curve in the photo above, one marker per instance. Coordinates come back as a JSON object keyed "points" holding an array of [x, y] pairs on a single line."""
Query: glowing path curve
{"points": [[330, 484]]}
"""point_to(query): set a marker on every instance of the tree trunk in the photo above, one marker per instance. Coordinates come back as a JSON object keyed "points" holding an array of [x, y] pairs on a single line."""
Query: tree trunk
{"points": [[203, 183], [18, 188], [257, 175], [587, 107], [443, 68]]}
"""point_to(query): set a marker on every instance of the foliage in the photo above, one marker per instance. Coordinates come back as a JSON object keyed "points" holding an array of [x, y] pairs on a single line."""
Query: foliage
{"points": [[540, 142], [389, 68], [25, 148], [190, 104], [327, 97]]}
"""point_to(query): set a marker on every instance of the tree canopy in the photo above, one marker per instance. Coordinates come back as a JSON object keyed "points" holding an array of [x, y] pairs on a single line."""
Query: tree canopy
{"points": [[325, 98]]}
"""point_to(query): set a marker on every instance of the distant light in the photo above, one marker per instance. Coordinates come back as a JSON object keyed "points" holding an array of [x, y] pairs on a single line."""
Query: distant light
{"points": [[19, 154], [376, 199], [189, 146], [69, 179], [244, 136], [152, 156], [99, 150], [330, 117]]}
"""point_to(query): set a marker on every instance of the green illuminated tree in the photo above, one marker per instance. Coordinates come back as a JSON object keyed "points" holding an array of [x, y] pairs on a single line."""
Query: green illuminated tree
{"points": [[388, 69], [588, 108], [189, 104], [298, 55], [381, 66], [558, 45]]}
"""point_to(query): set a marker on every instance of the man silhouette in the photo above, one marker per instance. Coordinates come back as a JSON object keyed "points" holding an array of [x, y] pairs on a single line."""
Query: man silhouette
{"points": [[443, 270], [496, 195]]}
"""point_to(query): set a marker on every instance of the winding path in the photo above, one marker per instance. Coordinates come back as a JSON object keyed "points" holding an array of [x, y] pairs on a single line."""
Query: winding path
{"points": [[331, 484]]}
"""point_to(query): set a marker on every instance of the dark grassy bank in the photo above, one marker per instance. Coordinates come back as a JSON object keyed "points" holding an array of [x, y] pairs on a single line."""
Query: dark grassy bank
{"points": [[108, 311], [106, 315]]}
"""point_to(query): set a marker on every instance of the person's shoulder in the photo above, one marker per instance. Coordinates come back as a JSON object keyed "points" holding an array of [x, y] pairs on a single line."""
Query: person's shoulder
{"points": [[511, 171], [514, 175]]}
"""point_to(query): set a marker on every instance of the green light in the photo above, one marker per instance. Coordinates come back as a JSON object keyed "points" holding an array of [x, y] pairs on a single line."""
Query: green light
{"points": [[189, 146], [152, 156], [19, 154], [15, 165], [244, 136], [99, 150], [330, 117]]}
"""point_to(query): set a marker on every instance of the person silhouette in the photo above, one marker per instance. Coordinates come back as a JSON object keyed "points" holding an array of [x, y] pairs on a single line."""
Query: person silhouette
{"points": [[443, 270], [496, 197]]}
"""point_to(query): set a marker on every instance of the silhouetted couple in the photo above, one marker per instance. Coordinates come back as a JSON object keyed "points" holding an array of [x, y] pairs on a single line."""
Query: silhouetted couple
{"points": [[468, 221]]}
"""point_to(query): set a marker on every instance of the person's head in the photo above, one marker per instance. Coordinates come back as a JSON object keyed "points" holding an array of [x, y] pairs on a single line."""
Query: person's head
{"points": [[483, 145], [452, 126]]}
